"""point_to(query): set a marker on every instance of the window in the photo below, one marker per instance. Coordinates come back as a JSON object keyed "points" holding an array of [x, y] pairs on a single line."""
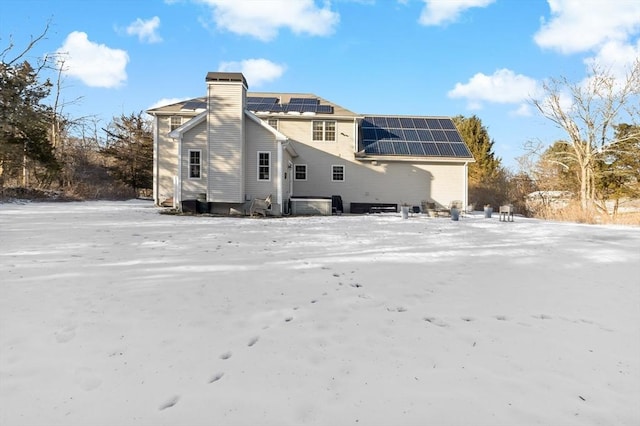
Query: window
{"points": [[273, 122], [194, 164], [176, 121], [300, 172], [337, 173], [264, 165], [324, 131]]}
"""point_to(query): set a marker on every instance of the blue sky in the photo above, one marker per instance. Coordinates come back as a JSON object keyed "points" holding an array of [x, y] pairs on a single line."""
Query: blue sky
{"points": [[413, 57]]}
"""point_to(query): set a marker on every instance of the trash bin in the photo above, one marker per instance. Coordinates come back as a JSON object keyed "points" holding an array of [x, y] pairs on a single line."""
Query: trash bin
{"points": [[455, 214], [405, 212], [488, 211]]}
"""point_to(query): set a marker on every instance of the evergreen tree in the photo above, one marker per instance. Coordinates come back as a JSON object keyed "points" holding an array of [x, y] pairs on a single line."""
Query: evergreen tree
{"points": [[476, 136], [487, 178], [24, 123], [130, 149]]}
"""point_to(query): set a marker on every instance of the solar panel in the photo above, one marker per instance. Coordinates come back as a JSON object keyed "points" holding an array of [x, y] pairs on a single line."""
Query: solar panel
{"points": [[415, 148], [453, 136], [194, 105], [460, 150], [400, 148], [446, 124], [424, 135], [271, 104], [406, 123], [430, 148], [412, 136], [445, 149], [439, 136], [433, 123], [367, 124]]}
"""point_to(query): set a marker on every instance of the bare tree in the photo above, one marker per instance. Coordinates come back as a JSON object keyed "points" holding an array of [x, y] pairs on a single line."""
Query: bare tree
{"points": [[588, 112]]}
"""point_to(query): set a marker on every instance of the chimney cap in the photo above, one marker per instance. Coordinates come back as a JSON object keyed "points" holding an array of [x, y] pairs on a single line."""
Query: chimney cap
{"points": [[227, 76]]}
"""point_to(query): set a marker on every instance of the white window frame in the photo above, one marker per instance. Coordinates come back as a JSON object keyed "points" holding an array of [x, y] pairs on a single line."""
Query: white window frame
{"points": [[324, 130], [273, 122], [199, 164], [258, 166], [333, 168], [173, 125], [295, 172]]}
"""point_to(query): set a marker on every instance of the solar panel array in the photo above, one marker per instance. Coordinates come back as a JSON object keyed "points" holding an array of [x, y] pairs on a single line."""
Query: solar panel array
{"points": [[193, 105], [271, 104], [412, 136]]}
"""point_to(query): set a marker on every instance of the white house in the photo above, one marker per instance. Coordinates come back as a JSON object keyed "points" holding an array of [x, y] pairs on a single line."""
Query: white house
{"points": [[232, 146]]}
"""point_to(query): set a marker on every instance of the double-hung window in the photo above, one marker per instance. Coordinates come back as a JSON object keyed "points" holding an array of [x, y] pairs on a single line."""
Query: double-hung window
{"points": [[264, 165], [337, 173], [195, 164], [273, 122], [300, 172], [176, 121], [323, 130]]}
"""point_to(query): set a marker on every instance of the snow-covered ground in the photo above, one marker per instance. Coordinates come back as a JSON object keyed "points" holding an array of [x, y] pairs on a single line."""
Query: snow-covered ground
{"points": [[113, 314]]}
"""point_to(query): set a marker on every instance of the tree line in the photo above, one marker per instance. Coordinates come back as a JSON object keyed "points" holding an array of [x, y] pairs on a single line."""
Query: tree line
{"points": [[42, 148], [598, 161]]}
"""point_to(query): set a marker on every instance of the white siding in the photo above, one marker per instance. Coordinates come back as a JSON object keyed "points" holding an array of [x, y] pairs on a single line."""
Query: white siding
{"points": [[167, 160], [259, 139], [226, 142], [195, 138], [387, 182]]}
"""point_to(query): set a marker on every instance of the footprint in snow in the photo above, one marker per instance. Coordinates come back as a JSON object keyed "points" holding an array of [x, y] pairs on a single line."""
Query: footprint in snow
{"points": [[542, 316], [216, 377], [225, 355], [435, 321], [169, 403], [253, 341]]}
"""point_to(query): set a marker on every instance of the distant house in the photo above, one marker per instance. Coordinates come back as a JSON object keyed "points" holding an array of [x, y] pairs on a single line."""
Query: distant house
{"points": [[232, 146]]}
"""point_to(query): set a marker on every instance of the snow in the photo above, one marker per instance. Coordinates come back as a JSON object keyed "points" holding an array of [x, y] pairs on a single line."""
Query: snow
{"points": [[114, 314]]}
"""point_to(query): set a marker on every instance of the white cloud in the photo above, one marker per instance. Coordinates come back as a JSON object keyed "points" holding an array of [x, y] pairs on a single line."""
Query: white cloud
{"points": [[616, 58], [167, 101], [147, 31], [503, 86], [523, 110], [578, 25], [256, 71], [96, 65], [263, 19], [438, 12]]}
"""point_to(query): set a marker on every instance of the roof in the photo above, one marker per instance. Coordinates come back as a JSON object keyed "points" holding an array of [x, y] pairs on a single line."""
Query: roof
{"points": [[411, 136], [271, 104]]}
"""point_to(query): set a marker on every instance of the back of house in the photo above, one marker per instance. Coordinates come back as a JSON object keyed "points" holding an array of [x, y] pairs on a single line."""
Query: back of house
{"points": [[233, 146]]}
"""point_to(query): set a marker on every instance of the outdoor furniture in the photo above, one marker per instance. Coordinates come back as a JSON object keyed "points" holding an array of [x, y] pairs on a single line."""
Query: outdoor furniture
{"points": [[506, 213], [260, 206]]}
